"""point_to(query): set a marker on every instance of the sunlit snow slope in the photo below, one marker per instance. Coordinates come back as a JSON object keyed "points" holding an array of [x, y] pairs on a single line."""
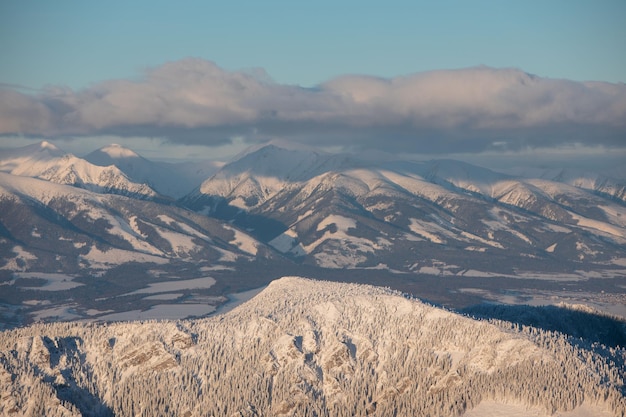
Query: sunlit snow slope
{"points": [[47, 162], [438, 217]]}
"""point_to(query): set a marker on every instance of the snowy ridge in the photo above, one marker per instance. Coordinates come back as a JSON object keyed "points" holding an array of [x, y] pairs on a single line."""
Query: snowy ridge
{"points": [[311, 348], [164, 178], [54, 227], [611, 183], [47, 162], [407, 207]]}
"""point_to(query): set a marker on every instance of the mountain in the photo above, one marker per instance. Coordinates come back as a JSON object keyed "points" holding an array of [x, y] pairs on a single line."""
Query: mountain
{"points": [[599, 183], [452, 232], [47, 162], [310, 348], [174, 180], [437, 217], [67, 252]]}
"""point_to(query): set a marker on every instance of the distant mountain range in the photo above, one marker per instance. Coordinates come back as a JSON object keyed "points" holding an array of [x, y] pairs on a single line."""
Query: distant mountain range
{"points": [[443, 217], [74, 230]]}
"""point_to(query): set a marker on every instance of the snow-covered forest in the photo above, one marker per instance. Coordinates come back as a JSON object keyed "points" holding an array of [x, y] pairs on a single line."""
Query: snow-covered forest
{"points": [[305, 348]]}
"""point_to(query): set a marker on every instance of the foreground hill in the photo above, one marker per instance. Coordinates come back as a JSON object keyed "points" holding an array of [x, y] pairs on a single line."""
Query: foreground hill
{"points": [[307, 348]]}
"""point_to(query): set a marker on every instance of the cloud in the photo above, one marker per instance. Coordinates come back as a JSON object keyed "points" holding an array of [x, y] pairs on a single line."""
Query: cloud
{"points": [[194, 101]]}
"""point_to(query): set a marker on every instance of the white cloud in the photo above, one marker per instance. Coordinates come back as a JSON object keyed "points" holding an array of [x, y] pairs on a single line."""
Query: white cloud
{"points": [[195, 102]]}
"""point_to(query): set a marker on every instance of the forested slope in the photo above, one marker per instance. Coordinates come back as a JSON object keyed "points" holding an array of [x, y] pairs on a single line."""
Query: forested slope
{"points": [[302, 347]]}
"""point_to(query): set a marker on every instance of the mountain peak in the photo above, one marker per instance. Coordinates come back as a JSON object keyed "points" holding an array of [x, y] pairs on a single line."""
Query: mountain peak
{"points": [[43, 150], [115, 150], [44, 144], [44, 147], [275, 145]]}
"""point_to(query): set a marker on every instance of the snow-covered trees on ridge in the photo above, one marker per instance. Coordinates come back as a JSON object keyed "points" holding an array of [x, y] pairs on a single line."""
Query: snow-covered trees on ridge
{"points": [[305, 348]]}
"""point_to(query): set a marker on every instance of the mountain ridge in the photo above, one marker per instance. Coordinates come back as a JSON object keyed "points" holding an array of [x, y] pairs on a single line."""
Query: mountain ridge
{"points": [[332, 215], [167, 179], [312, 348], [48, 162]]}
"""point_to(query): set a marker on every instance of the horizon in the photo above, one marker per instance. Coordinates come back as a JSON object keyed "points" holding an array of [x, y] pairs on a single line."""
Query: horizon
{"points": [[480, 81]]}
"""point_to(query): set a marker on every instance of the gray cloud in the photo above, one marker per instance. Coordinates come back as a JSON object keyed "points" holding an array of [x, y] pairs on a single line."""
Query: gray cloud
{"points": [[195, 102]]}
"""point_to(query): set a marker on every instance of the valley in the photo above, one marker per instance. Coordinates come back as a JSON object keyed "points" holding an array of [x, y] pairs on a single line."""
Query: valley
{"points": [[81, 241]]}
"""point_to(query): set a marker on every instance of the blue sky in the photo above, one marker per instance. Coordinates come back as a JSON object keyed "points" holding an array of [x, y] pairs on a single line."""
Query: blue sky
{"points": [[77, 43], [433, 77]]}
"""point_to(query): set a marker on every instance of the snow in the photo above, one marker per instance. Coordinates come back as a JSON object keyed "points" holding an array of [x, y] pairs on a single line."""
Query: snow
{"points": [[336, 257], [55, 282], [164, 297], [305, 215], [20, 255], [243, 241], [433, 232], [52, 164], [475, 249], [183, 227], [239, 298], [416, 185], [426, 230], [616, 214], [124, 230], [285, 241], [499, 223], [314, 340], [171, 286], [481, 240], [343, 223], [227, 256], [557, 228], [601, 226], [182, 245], [619, 261], [115, 150], [95, 312], [340, 249], [132, 222], [161, 312], [58, 313], [107, 259], [490, 408]]}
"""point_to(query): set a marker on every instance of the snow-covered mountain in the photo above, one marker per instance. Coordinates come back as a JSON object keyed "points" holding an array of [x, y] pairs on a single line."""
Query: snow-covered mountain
{"points": [[599, 183], [174, 180], [440, 228], [48, 162], [58, 239], [439, 217], [309, 348]]}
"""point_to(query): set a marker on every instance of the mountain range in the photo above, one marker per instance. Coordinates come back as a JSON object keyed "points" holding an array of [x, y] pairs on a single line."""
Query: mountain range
{"points": [[114, 233]]}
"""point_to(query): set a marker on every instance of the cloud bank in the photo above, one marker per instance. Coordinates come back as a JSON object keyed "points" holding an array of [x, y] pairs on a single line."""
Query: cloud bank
{"points": [[194, 101]]}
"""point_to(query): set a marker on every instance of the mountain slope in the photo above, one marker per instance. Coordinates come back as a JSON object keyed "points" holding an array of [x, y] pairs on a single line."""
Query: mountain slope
{"points": [[60, 243], [611, 184], [451, 231], [47, 162], [167, 179], [304, 347], [337, 211]]}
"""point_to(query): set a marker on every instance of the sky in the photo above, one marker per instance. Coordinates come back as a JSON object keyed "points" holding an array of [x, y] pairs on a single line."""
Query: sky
{"points": [[419, 77]]}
